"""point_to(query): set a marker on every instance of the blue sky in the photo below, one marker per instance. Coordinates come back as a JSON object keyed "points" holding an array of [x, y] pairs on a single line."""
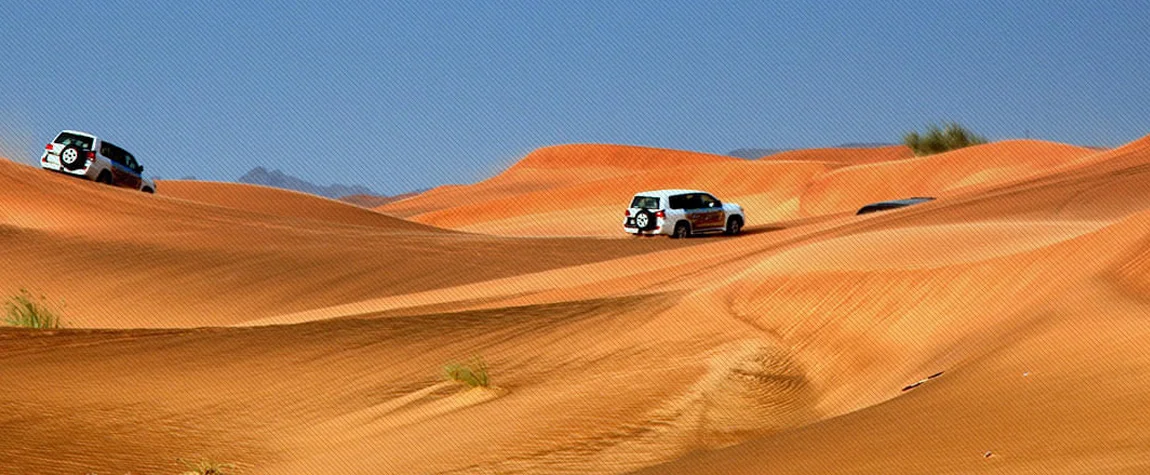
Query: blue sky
{"points": [[399, 96]]}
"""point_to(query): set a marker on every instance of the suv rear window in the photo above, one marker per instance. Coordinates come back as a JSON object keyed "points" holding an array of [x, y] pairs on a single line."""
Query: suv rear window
{"points": [[66, 139], [648, 202]]}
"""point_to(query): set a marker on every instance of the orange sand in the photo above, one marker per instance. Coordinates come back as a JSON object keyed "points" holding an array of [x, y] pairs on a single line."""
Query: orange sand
{"points": [[581, 189], [781, 351], [847, 156]]}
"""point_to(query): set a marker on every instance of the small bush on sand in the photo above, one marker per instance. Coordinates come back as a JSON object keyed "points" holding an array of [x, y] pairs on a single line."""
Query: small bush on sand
{"points": [[951, 136], [25, 311], [207, 467], [472, 373]]}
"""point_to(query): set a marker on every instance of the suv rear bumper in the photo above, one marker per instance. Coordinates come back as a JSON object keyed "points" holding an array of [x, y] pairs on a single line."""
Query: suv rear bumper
{"points": [[45, 164], [629, 226], [649, 232]]}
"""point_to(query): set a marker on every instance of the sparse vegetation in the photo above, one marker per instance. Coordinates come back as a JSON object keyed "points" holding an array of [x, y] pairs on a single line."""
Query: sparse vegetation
{"points": [[951, 136], [23, 310], [207, 467], [472, 373]]}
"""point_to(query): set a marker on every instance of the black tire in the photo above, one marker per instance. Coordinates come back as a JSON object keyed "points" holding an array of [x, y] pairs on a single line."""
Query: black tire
{"points": [[72, 158], [645, 220], [734, 226], [105, 178], [682, 230]]}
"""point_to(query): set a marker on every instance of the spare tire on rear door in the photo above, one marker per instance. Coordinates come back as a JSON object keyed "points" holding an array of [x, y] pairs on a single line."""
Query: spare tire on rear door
{"points": [[645, 220], [72, 158]]}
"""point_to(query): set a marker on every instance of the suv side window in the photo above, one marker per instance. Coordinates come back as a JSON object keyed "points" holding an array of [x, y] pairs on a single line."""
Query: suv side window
{"points": [[116, 154], [677, 202], [709, 201], [692, 202], [130, 161]]}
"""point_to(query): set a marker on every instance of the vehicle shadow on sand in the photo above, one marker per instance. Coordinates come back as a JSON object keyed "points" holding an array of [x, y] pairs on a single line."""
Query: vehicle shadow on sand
{"points": [[762, 229]]}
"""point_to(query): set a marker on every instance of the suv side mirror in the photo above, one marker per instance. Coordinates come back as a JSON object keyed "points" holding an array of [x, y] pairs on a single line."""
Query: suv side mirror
{"points": [[140, 169]]}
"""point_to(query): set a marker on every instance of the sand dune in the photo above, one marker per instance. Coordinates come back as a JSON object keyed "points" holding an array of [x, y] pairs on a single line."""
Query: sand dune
{"points": [[847, 156], [1048, 346], [848, 189], [781, 351], [544, 193], [126, 259], [373, 201], [550, 168], [595, 207], [540, 195], [282, 203]]}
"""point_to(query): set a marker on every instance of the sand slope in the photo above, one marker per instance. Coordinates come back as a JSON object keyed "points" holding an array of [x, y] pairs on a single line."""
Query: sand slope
{"points": [[848, 189], [581, 189], [782, 351], [543, 194], [126, 259], [281, 203], [847, 156], [550, 168], [373, 201]]}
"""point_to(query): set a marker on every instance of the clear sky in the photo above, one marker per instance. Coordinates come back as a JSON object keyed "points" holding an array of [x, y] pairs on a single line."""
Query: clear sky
{"points": [[406, 95]]}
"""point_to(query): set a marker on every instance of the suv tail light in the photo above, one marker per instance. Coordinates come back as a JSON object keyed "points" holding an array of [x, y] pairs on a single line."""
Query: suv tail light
{"points": [[48, 147], [91, 155], [660, 214], [627, 212]]}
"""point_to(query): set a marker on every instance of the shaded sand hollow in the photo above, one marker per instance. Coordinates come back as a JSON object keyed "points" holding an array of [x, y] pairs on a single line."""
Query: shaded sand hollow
{"points": [[780, 351]]}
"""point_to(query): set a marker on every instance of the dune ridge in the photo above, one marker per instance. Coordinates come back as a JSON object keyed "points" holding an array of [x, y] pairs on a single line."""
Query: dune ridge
{"points": [[544, 193], [849, 188], [780, 351], [217, 254], [850, 156]]}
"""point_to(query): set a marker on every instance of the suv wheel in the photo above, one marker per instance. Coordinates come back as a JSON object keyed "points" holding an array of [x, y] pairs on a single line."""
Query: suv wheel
{"points": [[105, 178], [645, 220], [71, 158], [682, 231], [734, 226]]}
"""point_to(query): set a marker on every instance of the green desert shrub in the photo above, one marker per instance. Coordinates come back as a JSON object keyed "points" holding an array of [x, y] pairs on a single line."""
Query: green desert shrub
{"points": [[23, 310], [950, 136], [472, 373]]}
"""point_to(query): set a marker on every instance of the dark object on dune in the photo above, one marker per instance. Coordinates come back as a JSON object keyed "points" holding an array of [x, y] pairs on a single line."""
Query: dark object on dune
{"points": [[921, 381], [893, 204]]}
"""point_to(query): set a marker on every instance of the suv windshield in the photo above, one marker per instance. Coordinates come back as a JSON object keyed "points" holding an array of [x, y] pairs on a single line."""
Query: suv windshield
{"points": [[648, 202], [66, 139]]}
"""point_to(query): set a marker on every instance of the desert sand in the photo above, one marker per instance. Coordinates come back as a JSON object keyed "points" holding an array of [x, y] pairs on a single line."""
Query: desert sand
{"points": [[538, 196], [292, 334]]}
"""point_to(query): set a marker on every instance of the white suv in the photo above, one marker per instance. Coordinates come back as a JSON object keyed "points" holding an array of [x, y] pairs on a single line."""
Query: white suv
{"points": [[681, 213], [85, 155]]}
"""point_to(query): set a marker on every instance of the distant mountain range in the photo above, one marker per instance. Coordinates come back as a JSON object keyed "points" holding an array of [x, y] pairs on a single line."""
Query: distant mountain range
{"points": [[753, 153], [364, 196], [355, 194], [279, 179]]}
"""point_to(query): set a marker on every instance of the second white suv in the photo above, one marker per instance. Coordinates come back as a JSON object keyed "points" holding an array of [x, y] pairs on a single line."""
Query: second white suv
{"points": [[87, 156], [681, 213]]}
